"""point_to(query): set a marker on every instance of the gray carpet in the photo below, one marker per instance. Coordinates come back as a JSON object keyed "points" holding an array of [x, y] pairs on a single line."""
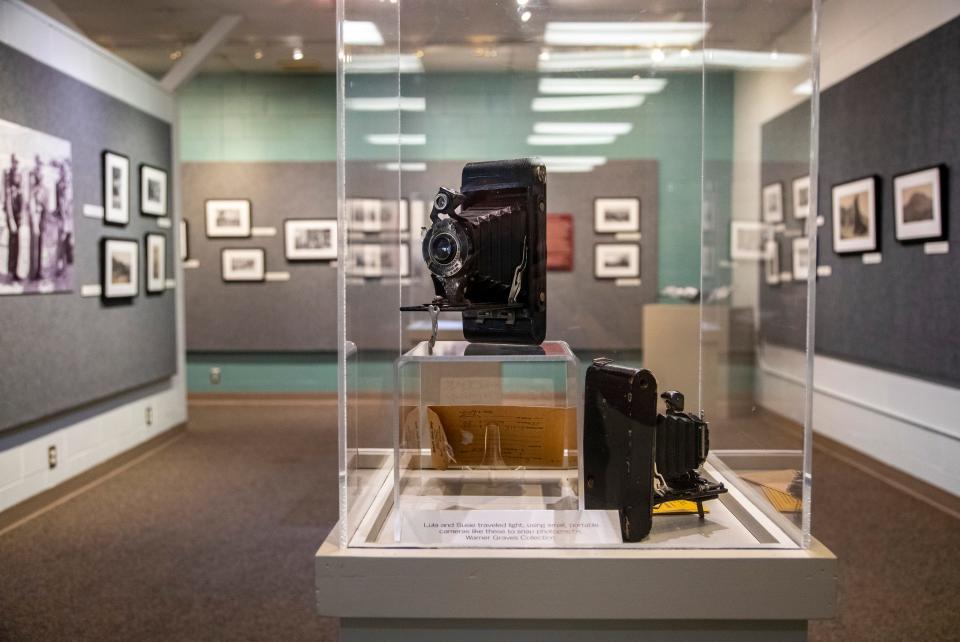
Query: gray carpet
{"points": [[213, 537]]}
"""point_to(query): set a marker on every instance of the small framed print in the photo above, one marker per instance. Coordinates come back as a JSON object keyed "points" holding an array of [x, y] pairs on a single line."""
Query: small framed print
{"points": [[364, 215], [917, 203], [747, 240], [855, 216], [616, 261], [801, 197], [184, 240], [156, 267], [390, 218], [153, 191], [773, 203], [772, 262], [612, 215], [243, 264], [801, 258], [228, 218], [364, 260], [394, 259], [310, 239], [116, 188], [120, 268]]}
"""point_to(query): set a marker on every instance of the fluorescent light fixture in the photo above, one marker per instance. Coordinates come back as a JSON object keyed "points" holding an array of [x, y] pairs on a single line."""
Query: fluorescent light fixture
{"points": [[594, 60], [567, 164], [632, 59], [585, 103], [361, 32], [396, 139], [386, 103], [601, 85], [626, 34], [403, 167], [804, 89], [616, 129], [570, 139], [740, 59], [382, 63]]}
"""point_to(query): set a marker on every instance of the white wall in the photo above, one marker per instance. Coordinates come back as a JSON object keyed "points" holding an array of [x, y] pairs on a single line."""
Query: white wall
{"points": [[907, 423], [92, 434]]}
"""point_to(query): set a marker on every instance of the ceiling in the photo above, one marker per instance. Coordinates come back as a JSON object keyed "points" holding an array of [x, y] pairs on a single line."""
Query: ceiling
{"points": [[449, 35]]}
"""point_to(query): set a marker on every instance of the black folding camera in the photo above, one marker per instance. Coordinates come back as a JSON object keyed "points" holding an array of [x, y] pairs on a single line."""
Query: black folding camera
{"points": [[635, 458], [488, 260]]}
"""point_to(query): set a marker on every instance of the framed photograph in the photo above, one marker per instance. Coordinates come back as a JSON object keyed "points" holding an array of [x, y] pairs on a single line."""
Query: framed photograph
{"points": [[917, 203], [243, 264], [156, 263], [801, 258], [116, 188], [773, 203], [747, 240], [37, 234], [772, 262], [394, 259], [612, 215], [153, 191], [855, 216], [560, 242], [228, 218], [616, 261], [364, 214], [364, 260], [801, 197], [310, 239], [184, 241], [121, 262], [390, 218]]}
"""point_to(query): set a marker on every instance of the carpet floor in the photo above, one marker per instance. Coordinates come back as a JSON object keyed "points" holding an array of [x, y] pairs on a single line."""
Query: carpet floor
{"points": [[213, 537]]}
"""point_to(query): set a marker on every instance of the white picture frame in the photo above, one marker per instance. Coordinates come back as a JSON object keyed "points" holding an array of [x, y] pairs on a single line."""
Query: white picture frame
{"points": [[917, 203], [801, 197], [310, 239], [116, 188], [614, 215], [243, 264], [228, 218], [747, 240], [364, 215], [616, 261], [365, 260], [854, 214], [156, 263], [120, 268], [153, 191], [771, 265], [771, 203], [801, 258]]}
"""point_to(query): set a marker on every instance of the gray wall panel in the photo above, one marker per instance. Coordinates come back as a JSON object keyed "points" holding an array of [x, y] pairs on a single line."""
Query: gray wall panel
{"points": [[60, 350]]}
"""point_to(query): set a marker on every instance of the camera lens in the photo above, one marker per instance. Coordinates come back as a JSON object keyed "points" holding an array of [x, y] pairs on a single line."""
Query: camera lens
{"points": [[443, 248]]}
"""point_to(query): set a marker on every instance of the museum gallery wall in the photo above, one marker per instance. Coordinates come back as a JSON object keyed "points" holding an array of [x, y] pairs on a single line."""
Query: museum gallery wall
{"points": [[64, 343], [612, 224], [894, 123]]}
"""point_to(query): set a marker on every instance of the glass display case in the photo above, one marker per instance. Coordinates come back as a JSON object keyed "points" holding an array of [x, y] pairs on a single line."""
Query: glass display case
{"points": [[662, 219]]}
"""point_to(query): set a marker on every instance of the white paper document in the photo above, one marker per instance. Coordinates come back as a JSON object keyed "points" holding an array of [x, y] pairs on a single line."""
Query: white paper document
{"points": [[511, 528]]}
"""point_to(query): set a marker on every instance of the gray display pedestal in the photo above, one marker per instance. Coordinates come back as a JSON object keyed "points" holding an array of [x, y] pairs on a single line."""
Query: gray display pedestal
{"points": [[569, 594]]}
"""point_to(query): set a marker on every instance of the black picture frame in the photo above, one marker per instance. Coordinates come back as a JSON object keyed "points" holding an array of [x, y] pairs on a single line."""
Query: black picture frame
{"points": [[147, 264], [105, 192], [206, 218], [874, 244], [223, 254], [632, 229], [166, 190], [943, 206], [105, 294], [600, 277]]}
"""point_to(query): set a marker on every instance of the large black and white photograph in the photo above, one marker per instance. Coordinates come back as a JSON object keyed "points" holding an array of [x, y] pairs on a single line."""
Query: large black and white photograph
{"points": [[121, 262], [801, 197], [801, 258], [772, 203], [616, 261], [747, 240], [917, 204], [153, 191], [243, 264], [855, 216], [613, 215], [228, 218], [310, 239], [116, 188], [156, 280], [37, 226], [365, 260], [364, 215]]}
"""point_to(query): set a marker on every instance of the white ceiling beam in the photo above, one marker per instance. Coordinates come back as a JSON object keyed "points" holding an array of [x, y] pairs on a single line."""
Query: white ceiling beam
{"points": [[190, 63], [51, 9]]}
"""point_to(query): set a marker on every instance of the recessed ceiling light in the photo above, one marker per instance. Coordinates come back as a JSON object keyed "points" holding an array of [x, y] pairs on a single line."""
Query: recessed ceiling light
{"points": [[525, 16], [396, 139], [582, 128], [386, 103], [404, 166], [804, 89], [258, 54], [361, 32], [601, 85], [585, 103], [657, 55], [522, 3], [297, 53], [635, 34], [684, 52], [176, 55], [570, 139], [383, 63]]}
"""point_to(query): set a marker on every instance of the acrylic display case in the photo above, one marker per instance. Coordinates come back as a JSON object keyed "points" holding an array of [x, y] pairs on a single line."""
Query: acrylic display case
{"points": [[681, 219]]}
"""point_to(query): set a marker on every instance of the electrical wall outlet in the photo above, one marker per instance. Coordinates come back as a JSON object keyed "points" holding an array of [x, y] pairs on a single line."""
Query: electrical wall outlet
{"points": [[215, 376], [148, 416], [52, 457]]}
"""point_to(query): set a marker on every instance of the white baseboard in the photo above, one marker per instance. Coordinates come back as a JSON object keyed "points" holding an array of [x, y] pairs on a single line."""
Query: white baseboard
{"points": [[906, 423]]}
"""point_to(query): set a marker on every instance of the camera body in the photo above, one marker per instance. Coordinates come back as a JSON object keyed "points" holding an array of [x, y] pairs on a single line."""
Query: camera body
{"points": [[486, 251], [635, 458]]}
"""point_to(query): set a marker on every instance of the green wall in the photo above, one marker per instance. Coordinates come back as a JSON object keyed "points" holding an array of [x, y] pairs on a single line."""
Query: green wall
{"points": [[478, 116]]}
